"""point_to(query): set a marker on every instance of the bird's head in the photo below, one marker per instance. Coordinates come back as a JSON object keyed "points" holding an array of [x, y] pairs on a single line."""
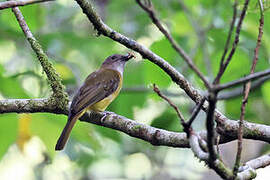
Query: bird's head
{"points": [[117, 61]]}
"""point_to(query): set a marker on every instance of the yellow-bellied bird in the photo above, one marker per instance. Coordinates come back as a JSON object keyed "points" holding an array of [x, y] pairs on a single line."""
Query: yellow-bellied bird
{"points": [[97, 92]]}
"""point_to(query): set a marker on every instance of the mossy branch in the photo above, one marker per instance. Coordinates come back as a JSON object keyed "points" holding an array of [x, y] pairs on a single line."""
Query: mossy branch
{"points": [[53, 78]]}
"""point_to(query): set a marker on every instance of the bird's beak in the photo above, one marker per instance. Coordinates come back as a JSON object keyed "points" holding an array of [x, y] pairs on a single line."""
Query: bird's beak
{"points": [[128, 56]]}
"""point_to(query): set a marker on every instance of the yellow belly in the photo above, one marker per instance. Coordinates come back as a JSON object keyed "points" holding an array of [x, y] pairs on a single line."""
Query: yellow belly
{"points": [[103, 104]]}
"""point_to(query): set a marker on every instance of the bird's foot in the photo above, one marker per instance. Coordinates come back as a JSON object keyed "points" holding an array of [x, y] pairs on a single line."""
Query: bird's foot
{"points": [[105, 114]]}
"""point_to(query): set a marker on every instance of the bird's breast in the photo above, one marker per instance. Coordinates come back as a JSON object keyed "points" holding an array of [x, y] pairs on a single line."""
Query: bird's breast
{"points": [[104, 103]]}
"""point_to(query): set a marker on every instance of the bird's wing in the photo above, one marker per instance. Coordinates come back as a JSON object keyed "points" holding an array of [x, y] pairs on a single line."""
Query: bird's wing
{"points": [[97, 86]]}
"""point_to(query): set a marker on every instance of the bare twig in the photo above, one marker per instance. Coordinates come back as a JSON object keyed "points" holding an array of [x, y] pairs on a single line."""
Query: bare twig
{"points": [[149, 8], [246, 93], [217, 79], [250, 77], [105, 30], [239, 91], [240, 131], [179, 114], [235, 43], [53, 78], [186, 125], [195, 112], [12, 4]]}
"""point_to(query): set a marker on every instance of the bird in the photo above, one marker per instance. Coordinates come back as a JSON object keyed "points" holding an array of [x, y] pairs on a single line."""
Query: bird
{"points": [[99, 89]]}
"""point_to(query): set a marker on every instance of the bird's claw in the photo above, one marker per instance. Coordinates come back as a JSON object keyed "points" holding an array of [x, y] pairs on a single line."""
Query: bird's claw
{"points": [[105, 114]]}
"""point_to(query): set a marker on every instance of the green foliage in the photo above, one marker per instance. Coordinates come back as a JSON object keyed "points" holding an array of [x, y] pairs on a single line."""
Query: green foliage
{"points": [[265, 92], [169, 121], [11, 87], [8, 131], [124, 101]]}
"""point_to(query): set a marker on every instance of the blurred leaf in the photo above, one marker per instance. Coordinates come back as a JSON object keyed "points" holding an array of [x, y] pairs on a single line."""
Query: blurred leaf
{"points": [[235, 69], [64, 72], [8, 131], [48, 128], [10, 87], [85, 133], [152, 73], [168, 121], [178, 20], [265, 92], [124, 103], [109, 133], [34, 16]]}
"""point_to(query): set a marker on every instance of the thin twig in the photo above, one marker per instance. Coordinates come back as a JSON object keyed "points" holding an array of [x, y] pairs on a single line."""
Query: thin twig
{"points": [[179, 114], [235, 43], [239, 91], [250, 77], [186, 125], [195, 112], [240, 132], [246, 92], [149, 8], [217, 79], [12, 4]]}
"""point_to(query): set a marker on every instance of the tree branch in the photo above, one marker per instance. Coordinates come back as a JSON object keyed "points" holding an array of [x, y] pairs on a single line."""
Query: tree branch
{"points": [[54, 79], [30, 106], [217, 165], [12, 4], [239, 91], [235, 43], [250, 77], [210, 123], [227, 130], [247, 171], [178, 112], [259, 162]]}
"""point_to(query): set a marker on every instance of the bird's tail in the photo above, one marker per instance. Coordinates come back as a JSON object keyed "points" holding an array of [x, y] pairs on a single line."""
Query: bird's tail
{"points": [[66, 132]]}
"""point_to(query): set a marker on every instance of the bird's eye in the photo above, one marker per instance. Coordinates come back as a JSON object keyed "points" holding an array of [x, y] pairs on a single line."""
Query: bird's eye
{"points": [[113, 57]]}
